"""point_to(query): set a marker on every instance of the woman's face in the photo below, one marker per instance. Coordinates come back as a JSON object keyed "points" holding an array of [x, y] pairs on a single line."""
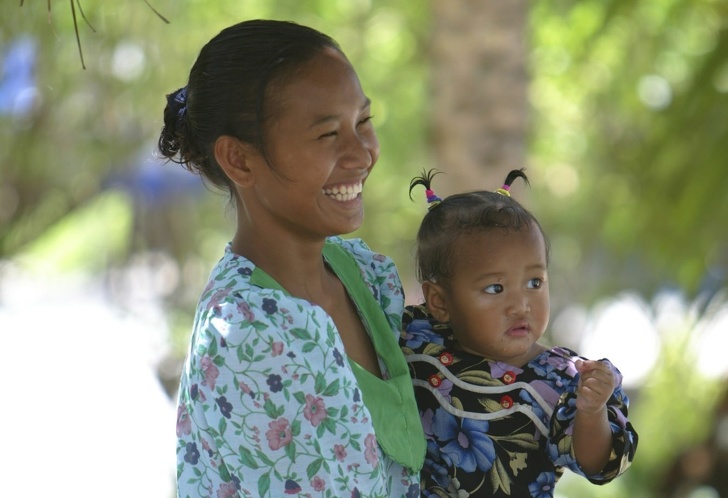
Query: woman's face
{"points": [[322, 146]]}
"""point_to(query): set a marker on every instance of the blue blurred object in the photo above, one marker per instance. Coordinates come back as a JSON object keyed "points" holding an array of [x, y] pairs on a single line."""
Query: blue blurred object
{"points": [[152, 183], [17, 79]]}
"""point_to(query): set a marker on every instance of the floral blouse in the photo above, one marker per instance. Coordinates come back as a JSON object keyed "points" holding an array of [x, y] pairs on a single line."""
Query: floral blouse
{"points": [[269, 404], [496, 430]]}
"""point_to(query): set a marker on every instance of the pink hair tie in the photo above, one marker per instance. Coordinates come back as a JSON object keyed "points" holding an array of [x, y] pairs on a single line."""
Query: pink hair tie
{"points": [[504, 190]]}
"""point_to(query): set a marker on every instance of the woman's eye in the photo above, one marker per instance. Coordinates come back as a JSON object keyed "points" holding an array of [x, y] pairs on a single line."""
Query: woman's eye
{"points": [[328, 134], [494, 289], [535, 283], [367, 119]]}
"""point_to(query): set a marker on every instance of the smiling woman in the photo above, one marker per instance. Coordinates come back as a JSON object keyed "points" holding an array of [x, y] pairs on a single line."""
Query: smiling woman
{"points": [[293, 381]]}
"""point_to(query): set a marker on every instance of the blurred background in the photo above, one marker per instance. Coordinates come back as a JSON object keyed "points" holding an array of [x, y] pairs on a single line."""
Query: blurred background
{"points": [[618, 110]]}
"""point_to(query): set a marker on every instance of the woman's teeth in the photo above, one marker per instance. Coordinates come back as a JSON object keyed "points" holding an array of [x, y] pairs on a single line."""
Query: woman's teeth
{"points": [[343, 192]]}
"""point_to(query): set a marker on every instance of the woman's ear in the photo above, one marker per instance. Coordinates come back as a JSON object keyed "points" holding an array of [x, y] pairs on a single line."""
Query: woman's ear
{"points": [[235, 159], [436, 300]]}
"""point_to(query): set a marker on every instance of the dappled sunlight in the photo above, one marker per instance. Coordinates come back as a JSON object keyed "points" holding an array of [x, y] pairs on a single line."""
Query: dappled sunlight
{"points": [[622, 330], [84, 411]]}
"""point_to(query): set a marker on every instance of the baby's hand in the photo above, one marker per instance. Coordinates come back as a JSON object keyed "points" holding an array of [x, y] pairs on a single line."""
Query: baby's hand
{"points": [[596, 384]]}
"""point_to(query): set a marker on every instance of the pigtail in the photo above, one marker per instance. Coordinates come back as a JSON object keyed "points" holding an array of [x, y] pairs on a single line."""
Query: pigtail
{"points": [[426, 181], [510, 178]]}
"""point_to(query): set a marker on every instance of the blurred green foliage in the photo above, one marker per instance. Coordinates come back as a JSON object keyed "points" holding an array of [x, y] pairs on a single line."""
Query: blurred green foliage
{"points": [[627, 154], [630, 100]]}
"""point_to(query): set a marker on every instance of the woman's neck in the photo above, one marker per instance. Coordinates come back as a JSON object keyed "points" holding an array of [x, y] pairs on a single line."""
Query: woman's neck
{"points": [[297, 265]]}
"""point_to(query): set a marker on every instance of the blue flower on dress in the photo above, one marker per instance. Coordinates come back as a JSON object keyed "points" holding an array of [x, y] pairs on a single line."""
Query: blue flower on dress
{"points": [[419, 332], [543, 486], [275, 383], [192, 454], [339, 359], [236, 481], [542, 367], [535, 407], [436, 464], [357, 397], [413, 491], [467, 444], [270, 306], [225, 406], [292, 487], [245, 271]]}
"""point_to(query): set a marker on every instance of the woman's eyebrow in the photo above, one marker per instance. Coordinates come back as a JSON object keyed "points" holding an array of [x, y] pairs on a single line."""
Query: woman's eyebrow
{"points": [[331, 117]]}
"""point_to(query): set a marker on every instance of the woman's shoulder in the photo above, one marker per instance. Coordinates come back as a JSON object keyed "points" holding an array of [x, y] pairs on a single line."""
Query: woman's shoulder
{"points": [[363, 255], [380, 274], [234, 302]]}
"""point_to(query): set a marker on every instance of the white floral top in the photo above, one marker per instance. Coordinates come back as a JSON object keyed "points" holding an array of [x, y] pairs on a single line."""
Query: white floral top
{"points": [[269, 405]]}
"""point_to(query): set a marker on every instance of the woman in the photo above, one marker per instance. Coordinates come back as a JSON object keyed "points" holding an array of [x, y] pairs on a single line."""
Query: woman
{"points": [[294, 383]]}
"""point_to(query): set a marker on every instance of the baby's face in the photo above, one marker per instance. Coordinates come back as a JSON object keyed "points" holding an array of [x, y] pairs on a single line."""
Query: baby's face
{"points": [[498, 297]]}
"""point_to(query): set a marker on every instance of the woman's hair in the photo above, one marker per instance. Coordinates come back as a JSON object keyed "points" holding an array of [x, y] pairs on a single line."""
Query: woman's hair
{"points": [[231, 91], [448, 219]]}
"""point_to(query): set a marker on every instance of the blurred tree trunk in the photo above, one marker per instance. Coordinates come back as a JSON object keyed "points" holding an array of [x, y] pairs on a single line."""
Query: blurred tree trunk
{"points": [[479, 82]]}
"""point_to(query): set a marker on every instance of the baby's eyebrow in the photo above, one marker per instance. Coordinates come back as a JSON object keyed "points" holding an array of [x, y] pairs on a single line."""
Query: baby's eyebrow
{"points": [[489, 276]]}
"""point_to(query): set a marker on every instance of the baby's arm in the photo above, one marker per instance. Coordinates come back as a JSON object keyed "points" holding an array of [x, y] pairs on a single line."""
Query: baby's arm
{"points": [[592, 433]]}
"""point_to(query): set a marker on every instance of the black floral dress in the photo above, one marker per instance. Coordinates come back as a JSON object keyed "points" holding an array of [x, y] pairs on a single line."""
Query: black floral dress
{"points": [[497, 430]]}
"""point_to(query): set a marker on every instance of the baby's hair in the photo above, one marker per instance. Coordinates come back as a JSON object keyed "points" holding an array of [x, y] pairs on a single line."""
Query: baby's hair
{"points": [[449, 218]]}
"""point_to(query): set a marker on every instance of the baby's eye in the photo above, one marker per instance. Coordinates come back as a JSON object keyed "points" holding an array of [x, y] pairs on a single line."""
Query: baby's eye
{"points": [[535, 283], [493, 289]]}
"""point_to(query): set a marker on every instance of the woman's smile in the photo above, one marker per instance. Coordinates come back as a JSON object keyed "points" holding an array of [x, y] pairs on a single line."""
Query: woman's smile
{"points": [[343, 192]]}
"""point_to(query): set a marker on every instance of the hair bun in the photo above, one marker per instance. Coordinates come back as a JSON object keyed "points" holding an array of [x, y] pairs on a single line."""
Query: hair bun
{"points": [[175, 123]]}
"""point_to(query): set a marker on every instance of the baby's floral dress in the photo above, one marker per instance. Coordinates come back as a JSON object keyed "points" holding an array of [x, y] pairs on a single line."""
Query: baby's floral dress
{"points": [[269, 404], [494, 430]]}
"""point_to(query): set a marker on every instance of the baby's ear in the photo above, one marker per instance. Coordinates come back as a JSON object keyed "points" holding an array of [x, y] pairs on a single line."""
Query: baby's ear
{"points": [[436, 301]]}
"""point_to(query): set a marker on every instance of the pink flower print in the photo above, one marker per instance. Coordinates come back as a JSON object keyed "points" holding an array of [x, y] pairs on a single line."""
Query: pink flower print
{"points": [[205, 445], [227, 490], [217, 297], [184, 424], [279, 434], [287, 315], [245, 388], [339, 452], [277, 348], [370, 454], [315, 411], [208, 287], [210, 370], [318, 484], [244, 308]]}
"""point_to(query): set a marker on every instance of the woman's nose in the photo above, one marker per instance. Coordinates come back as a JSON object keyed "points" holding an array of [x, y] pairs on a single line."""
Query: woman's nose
{"points": [[362, 151]]}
